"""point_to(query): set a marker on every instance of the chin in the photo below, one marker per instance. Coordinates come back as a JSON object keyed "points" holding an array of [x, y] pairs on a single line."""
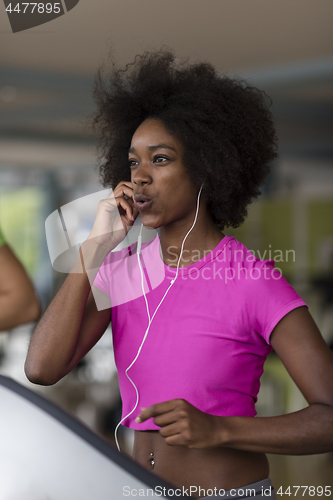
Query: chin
{"points": [[150, 222], [150, 225]]}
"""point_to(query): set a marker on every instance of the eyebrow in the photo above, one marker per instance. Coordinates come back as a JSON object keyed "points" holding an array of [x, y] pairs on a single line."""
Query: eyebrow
{"points": [[153, 148]]}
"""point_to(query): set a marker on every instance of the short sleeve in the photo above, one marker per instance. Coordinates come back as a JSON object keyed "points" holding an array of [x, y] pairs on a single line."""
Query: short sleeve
{"points": [[115, 276], [269, 297]]}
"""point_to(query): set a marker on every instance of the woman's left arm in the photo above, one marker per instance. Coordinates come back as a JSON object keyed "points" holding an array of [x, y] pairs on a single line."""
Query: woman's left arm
{"points": [[299, 344]]}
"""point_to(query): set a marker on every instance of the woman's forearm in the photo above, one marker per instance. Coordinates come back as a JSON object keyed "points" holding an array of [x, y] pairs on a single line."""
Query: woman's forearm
{"points": [[55, 338], [305, 432], [57, 335]]}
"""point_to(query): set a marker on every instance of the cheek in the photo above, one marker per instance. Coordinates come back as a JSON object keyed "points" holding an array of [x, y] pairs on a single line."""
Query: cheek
{"points": [[178, 206], [176, 190], [183, 193]]}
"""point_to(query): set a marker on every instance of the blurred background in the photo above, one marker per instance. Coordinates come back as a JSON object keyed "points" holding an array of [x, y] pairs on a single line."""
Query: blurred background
{"points": [[47, 159]]}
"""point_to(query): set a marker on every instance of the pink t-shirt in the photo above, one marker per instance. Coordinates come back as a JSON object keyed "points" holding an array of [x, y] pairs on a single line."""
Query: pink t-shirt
{"points": [[209, 339]]}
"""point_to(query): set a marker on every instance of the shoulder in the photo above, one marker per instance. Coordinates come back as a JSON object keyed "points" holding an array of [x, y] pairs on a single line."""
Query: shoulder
{"points": [[244, 265], [255, 274], [263, 292], [125, 260], [148, 248]]}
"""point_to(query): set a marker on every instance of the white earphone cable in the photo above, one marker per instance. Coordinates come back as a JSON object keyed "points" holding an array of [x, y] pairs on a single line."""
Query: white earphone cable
{"points": [[148, 313]]}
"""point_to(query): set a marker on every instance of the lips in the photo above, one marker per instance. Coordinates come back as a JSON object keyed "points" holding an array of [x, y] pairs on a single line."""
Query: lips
{"points": [[142, 202]]}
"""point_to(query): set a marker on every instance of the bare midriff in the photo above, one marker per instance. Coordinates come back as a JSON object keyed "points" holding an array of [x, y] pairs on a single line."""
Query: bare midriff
{"points": [[209, 468]]}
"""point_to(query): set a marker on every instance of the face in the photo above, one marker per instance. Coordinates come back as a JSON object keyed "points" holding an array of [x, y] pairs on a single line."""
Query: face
{"points": [[163, 191]]}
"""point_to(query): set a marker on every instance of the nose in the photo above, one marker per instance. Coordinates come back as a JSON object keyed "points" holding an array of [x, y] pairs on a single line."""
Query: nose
{"points": [[141, 175]]}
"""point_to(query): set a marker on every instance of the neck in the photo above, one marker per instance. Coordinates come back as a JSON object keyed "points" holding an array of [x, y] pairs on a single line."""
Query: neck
{"points": [[201, 240]]}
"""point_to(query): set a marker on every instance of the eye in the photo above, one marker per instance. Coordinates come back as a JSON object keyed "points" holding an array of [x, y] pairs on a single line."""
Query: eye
{"points": [[132, 163], [160, 159]]}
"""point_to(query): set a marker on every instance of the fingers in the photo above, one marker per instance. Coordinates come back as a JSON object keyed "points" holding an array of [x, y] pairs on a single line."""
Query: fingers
{"points": [[115, 216], [124, 188], [171, 430], [182, 424], [124, 198], [156, 410], [125, 205], [171, 417], [111, 203], [176, 440]]}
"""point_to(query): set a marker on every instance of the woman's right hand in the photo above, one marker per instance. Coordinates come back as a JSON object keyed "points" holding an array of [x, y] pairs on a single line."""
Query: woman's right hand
{"points": [[115, 216]]}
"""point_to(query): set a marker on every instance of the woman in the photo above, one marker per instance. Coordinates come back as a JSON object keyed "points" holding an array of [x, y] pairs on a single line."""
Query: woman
{"points": [[188, 150]]}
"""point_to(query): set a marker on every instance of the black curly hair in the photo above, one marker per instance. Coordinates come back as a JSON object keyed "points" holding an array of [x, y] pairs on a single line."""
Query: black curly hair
{"points": [[224, 124]]}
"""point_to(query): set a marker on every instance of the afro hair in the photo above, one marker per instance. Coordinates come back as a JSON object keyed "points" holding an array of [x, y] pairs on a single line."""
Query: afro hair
{"points": [[225, 126]]}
